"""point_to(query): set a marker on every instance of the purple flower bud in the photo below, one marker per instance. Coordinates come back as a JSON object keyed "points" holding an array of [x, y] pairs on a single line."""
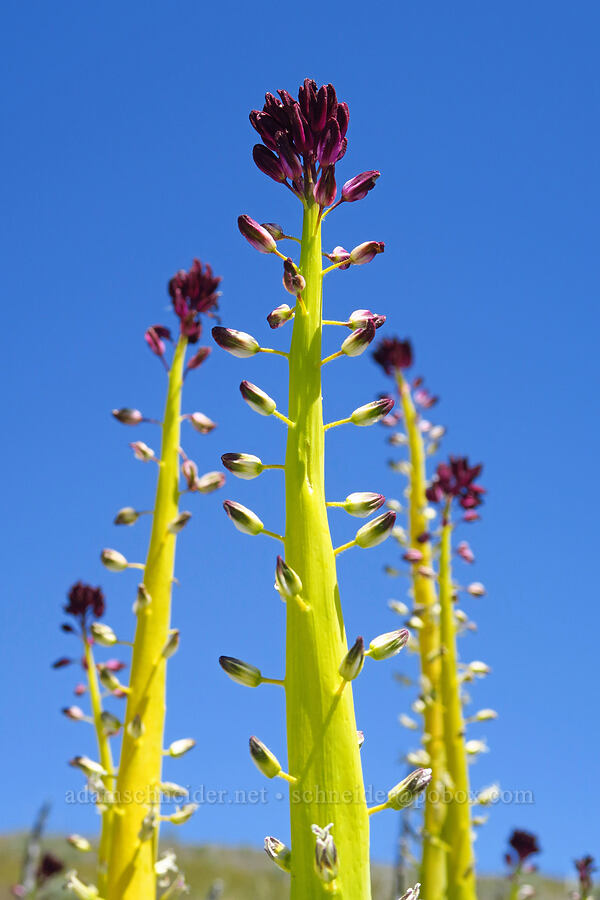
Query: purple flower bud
{"points": [[276, 231], [243, 518], [393, 354], [325, 188], [337, 255], [290, 162], [256, 235], [359, 186], [198, 358], [154, 338], [360, 317], [257, 399], [358, 341], [128, 416], [62, 662], [372, 412], [293, 281], [330, 144], [343, 117], [364, 253], [280, 315], [244, 465], [238, 343], [268, 162], [376, 531]]}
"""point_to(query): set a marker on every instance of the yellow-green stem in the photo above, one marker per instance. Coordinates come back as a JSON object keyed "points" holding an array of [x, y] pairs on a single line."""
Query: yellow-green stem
{"points": [[457, 827], [131, 866], [433, 863], [321, 727], [106, 761]]}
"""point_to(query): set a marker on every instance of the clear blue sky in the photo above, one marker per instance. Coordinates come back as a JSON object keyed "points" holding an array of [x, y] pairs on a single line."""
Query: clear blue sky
{"points": [[127, 153]]}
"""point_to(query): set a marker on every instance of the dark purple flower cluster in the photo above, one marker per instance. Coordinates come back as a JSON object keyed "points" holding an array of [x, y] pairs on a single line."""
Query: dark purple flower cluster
{"points": [[193, 293], [303, 140], [85, 599], [393, 354], [524, 845], [585, 866], [456, 479]]}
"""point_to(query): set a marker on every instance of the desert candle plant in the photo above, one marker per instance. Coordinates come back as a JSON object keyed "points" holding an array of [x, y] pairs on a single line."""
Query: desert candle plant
{"points": [[130, 791], [303, 140]]}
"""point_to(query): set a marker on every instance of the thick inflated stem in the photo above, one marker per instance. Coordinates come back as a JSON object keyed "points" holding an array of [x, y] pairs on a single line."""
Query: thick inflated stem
{"points": [[321, 727], [457, 827], [433, 863], [131, 868]]}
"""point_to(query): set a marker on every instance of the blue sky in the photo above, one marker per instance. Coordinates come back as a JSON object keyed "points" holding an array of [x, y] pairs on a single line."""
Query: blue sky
{"points": [[127, 153]]}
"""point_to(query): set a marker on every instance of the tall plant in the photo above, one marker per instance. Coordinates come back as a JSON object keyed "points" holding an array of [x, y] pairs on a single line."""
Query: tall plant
{"points": [[130, 795], [303, 140]]}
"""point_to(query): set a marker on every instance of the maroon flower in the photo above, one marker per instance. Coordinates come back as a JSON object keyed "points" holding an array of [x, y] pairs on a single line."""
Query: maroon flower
{"points": [[301, 136], [49, 865], [585, 866], [524, 844], [456, 480], [193, 293], [83, 599], [393, 354]]}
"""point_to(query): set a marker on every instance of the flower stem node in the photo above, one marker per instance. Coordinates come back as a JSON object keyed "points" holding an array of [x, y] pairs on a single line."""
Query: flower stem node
{"points": [[376, 531], [360, 317], [280, 315], [243, 518], [182, 815], [243, 465], [256, 235], [287, 581], [388, 645], [113, 560], [127, 416], [142, 451], [407, 791], [257, 399], [365, 252], [358, 341], [241, 672], [180, 747], [372, 412], [238, 343], [326, 858], [352, 663], [263, 759], [103, 634], [279, 853], [79, 843], [362, 503], [179, 523], [172, 645], [201, 423]]}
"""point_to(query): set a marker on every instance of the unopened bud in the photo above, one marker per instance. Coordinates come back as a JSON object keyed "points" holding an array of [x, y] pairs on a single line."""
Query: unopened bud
{"points": [[243, 465], [358, 341], [263, 759], [75, 713], [149, 823], [201, 423], [178, 748], [360, 317], [126, 516], [398, 607], [240, 672], [79, 843], [113, 560], [474, 747], [88, 766], [372, 412], [142, 600], [407, 722], [364, 253], [209, 482], [279, 853], [326, 858], [128, 416], [108, 680], [488, 795], [172, 645], [412, 893], [325, 189], [479, 668], [476, 589], [362, 504], [173, 791], [280, 315], [276, 231], [464, 551], [256, 235], [359, 186], [406, 792], [353, 661], [389, 644], [376, 531], [360, 737], [198, 358], [238, 343], [135, 728], [142, 451], [484, 715], [103, 634], [74, 886], [183, 814], [189, 470], [287, 582], [293, 281], [257, 399], [179, 523], [110, 724], [243, 518]]}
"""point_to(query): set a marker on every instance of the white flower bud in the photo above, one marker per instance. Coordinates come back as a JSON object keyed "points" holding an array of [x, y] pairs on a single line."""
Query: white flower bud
{"points": [[183, 814], [388, 644], [372, 412], [78, 888], [287, 582], [476, 589], [88, 766], [353, 661], [406, 792], [142, 451], [173, 791], [326, 859], [279, 853], [376, 531], [142, 600], [209, 482], [113, 560], [201, 423], [126, 516], [172, 645], [398, 607], [407, 722], [240, 672], [488, 795], [362, 504], [80, 843], [135, 728], [103, 634], [110, 724], [257, 399], [265, 761], [238, 343], [243, 465], [243, 518], [179, 523], [178, 748]]}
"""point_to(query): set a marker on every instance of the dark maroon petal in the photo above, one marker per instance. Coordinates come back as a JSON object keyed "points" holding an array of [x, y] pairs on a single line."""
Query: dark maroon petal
{"points": [[289, 160], [393, 354], [198, 358], [268, 162], [307, 96], [318, 116], [330, 144], [343, 117], [332, 103], [325, 188], [62, 662]]}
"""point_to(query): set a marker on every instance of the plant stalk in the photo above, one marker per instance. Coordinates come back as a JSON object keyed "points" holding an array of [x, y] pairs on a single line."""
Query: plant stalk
{"points": [[131, 867], [322, 743]]}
